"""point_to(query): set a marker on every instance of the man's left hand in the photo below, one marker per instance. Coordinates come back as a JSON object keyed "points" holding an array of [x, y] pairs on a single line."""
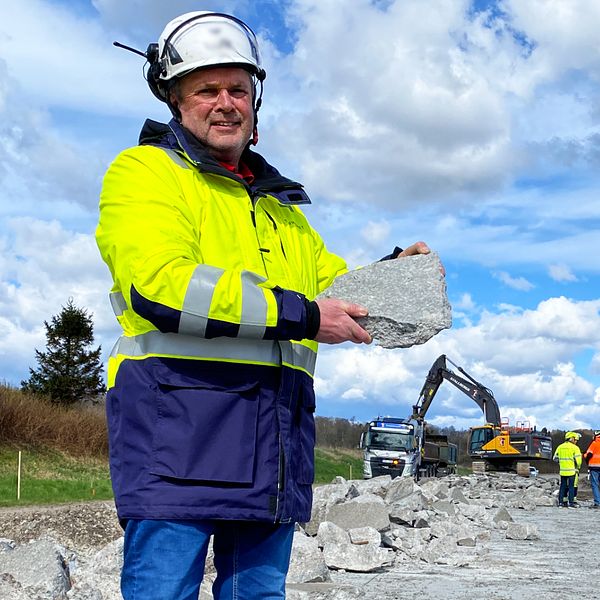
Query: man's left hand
{"points": [[418, 248]]}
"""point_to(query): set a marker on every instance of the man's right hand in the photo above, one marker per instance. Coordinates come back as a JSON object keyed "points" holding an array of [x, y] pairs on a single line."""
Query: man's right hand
{"points": [[338, 324]]}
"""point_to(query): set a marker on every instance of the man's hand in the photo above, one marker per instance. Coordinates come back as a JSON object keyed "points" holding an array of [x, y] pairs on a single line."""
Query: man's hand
{"points": [[419, 248], [338, 324], [416, 248]]}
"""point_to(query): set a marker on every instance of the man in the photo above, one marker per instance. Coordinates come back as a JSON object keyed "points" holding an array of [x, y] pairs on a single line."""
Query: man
{"points": [[592, 457], [568, 456], [565, 499], [215, 268]]}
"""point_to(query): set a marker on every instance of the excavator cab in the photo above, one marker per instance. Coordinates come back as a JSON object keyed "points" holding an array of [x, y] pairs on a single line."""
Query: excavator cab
{"points": [[480, 436]]}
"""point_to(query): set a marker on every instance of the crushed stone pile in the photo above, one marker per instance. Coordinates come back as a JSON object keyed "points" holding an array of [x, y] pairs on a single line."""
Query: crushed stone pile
{"points": [[358, 526]]}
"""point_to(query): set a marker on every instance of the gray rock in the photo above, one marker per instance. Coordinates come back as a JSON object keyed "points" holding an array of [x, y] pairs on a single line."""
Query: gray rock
{"points": [[307, 563], [457, 496], [502, 515], [416, 502], [443, 506], [466, 541], [522, 531], [38, 568], [322, 591], [360, 559], [98, 576], [406, 298], [325, 496], [376, 485], [330, 533], [366, 510], [11, 589], [364, 535], [400, 488]]}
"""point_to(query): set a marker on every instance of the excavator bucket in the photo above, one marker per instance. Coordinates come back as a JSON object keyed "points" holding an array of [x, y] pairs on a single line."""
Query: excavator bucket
{"points": [[501, 444]]}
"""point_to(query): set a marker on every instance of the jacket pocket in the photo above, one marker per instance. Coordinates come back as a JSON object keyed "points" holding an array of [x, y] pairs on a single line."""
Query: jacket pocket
{"points": [[206, 433], [304, 438]]}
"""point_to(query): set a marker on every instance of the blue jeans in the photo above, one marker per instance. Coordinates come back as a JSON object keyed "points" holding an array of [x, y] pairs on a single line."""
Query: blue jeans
{"points": [[164, 560], [595, 483], [567, 488]]}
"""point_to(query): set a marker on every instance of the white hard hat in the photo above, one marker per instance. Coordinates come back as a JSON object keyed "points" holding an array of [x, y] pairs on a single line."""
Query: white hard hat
{"points": [[205, 39]]}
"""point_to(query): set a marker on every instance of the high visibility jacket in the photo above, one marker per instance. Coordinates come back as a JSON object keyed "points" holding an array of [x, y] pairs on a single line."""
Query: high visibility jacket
{"points": [[569, 458], [592, 454], [210, 403]]}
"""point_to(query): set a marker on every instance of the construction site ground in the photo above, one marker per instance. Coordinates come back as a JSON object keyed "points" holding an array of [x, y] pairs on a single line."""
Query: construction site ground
{"points": [[563, 563]]}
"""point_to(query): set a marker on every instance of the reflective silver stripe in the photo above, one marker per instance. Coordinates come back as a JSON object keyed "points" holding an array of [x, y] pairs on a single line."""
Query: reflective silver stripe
{"points": [[266, 352], [298, 356], [187, 346], [117, 301], [176, 158], [198, 297], [254, 307]]}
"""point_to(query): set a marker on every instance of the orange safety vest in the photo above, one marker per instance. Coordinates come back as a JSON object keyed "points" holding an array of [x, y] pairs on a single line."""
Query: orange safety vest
{"points": [[593, 453]]}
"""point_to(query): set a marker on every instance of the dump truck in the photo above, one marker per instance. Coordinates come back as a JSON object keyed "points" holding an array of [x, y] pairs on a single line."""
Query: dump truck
{"points": [[494, 446], [400, 447]]}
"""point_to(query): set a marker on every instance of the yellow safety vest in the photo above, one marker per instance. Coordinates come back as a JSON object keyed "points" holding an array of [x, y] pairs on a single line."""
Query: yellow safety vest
{"points": [[569, 458]]}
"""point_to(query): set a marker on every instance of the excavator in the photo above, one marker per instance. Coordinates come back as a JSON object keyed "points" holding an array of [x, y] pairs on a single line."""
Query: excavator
{"points": [[494, 446]]}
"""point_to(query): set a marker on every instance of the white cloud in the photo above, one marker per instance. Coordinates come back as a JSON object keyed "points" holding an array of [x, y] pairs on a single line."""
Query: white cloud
{"points": [[465, 303], [561, 273], [428, 101], [375, 233], [68, 61], [517, 283]]}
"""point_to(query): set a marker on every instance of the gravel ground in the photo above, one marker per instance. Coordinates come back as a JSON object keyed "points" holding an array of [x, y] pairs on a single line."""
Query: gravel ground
{"points": [[562, 563], [84, 527]]}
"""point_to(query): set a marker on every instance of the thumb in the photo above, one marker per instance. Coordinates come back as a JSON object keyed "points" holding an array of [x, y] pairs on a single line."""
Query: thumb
{"points": [[356, 310]]}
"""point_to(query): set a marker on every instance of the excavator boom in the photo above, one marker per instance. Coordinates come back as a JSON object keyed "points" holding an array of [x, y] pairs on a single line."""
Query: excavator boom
{"points": [[467, 384], [492, 442]]}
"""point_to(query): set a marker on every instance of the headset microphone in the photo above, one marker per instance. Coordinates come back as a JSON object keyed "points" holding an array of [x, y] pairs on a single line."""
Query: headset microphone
{"points": [[144, 54], [155, 68]]}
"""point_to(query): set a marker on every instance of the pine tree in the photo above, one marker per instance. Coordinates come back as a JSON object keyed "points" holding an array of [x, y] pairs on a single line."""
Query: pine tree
{"points": [[68, 371]]}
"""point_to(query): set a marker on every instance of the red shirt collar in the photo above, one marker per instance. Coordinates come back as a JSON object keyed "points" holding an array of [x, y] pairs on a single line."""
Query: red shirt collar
{"points": [[243, 171]]}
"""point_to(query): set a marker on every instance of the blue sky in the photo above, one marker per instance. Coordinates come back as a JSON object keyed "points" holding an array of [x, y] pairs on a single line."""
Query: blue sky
{"points": [[474, 126]]}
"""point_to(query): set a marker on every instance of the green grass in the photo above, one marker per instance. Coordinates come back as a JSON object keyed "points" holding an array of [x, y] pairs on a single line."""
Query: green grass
{"points": [[330, 463], [51, 477]]}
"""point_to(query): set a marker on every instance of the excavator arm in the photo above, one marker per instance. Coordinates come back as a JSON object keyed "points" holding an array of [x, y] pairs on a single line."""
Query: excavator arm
{"points": [[467, 384]]}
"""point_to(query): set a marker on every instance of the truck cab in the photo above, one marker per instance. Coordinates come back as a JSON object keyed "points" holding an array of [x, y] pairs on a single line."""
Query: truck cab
{"points": [[389, 448]]}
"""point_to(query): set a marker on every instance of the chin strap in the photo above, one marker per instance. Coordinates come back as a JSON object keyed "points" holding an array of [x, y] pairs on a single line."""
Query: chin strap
{"points": [[257, 105]]}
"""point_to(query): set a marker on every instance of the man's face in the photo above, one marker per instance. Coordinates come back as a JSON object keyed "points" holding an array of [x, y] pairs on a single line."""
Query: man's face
{"points": [[216, 106]]}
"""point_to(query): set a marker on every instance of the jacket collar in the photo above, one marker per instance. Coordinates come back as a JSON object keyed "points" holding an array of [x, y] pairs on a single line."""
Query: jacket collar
{"points": [[267, 178]]}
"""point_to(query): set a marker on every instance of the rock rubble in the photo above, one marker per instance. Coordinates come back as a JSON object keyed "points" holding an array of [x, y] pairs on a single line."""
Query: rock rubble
{"points": [[356, 527]]}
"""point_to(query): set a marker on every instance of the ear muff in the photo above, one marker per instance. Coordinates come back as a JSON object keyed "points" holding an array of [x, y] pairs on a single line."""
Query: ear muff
{"points": [[155, 70]]}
